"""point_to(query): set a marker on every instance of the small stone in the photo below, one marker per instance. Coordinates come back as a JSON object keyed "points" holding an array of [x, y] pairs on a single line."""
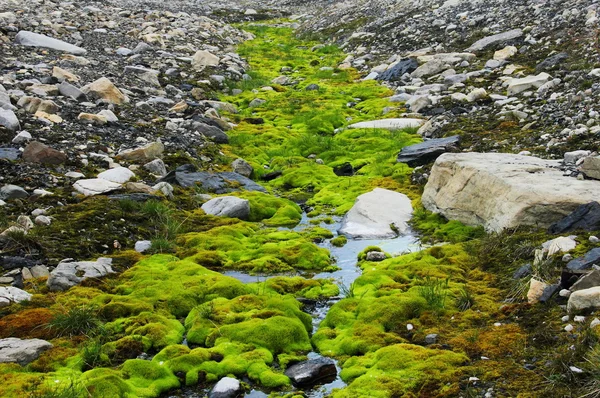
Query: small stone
{"points": [[579, 319], [594, 239], [142, 246], [569, 328], [242, 167], [564, 293], [156, 167], [409, 326], [431, 338], [565, 318], [22, 137], [43, 220], [595, 322]]}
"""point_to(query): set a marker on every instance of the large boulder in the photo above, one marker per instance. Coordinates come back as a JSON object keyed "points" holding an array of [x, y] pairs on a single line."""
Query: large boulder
{"points": [[31, 39], [312, 371], [69, 273], [378, 214], [591, 167], [228, 206], [219, 183], [425, 152], [388, 124], [584, 217], [146, 153], [22, 351], [498, 190]]}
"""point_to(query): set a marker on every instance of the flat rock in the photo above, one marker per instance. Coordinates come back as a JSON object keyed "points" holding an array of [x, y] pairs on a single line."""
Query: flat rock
{"points": [[219, 182], [587, 281], [119, 175], [68, 273], [499, 191], [373, 214], [585, 217], [586, 261], [10, 294], [31, 39], [516, 86], [22, 351], [427, 151], [227, 387], [95, 186], [312, 371], [10, 192], [203, 58], [228, 206], [495, 40], [388, 124]]}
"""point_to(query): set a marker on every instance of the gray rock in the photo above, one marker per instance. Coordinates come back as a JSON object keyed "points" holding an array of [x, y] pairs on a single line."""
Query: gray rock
{"points": [[68, 90], [22, 137], [495, 40], [228, 206], [68, 273], [227, 387], [215, 133], [22, 351], [582, 300], [95, 186], [587, 281], [375, 256], [374, 214], [425, 152], [219, 183], [11, 294], [389, 124], [523, 271], [9, 120], [591, 167], [395, 72], [156, 167], [242, 167], [142, 246], [312, 87], [31, 39], [312, 371], [586, 261], [9, 153], [584, 217], [39, 271], [10, 192], [256, 102], [551, 62], [431, 338]]}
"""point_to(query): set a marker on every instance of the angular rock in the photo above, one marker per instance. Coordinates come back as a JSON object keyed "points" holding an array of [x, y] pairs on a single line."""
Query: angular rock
{"points": [[587, 281], [95, 186], [145, 153], [522, 272], [586, 261], [495, 40], [119, 175], [425, 152], [31, 39], [9, 153], [395, 72], [228, 206], [242, 167], [375, 256], [591, 167], [501, 191], [378, 214], [10, 294], [156, 167], [551, 62], [68, 273], [389, 124], [536, 290], [219, 183], [312, 371], [104, 89], [142, 246], [213, 132], [516, 86], [585, 217], [227, 387], [36, 152], [9, 120], [22, 351], [203, 58], [582, 300], [70, 91]]}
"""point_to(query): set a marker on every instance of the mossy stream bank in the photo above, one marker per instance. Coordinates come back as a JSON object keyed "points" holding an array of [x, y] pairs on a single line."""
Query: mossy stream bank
{"points": [[122, 336]]}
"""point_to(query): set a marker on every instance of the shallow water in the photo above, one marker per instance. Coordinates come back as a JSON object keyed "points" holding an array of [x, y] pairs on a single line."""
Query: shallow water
{"points": [[346, 260]]}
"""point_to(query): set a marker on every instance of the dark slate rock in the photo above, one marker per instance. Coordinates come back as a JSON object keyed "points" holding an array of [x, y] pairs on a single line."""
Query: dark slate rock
{"points": [[426, 152], [585, 217], [310, 372], [394, 73], [551, 62], [548, 292], [221, 182], [12, 262], [522, 272], [9, 153], [344, 170], [271, 176], [136, 197], [254, 120], [215, 133], [592, 257]]}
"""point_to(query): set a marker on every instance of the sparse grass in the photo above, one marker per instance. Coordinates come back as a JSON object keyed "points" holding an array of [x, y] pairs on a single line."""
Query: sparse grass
{"points": [[465, 299], [434, 291], [80, 320]]}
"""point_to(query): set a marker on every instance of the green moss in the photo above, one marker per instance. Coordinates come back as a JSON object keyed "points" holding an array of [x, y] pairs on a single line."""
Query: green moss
{"points": [[339, 241], [159, 330], [299, 287], [271, 210]]}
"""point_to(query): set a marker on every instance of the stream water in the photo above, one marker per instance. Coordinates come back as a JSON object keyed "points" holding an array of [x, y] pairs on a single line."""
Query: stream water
{"points": [[346, 260]]}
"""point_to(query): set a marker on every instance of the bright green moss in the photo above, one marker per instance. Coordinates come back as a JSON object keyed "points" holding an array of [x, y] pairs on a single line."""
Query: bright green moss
{"points": [[299, 287], [271, 210], [148, 378], [160, 330], [339, 241], [436, 228]]}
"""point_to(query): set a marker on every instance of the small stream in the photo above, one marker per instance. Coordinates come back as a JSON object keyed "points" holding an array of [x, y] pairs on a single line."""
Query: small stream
{"points": [[346, 260]]}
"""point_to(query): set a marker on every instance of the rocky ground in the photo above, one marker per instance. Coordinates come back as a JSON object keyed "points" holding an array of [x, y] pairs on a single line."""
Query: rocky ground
{"points": [[194, 198]]}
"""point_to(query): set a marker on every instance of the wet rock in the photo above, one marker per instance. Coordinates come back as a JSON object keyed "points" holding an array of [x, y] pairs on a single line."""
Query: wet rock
{"points": [[68, 273], [428, 151], [95, 186], [584, 217], [395, 72], [388, 124], [378, 214], [228, 206], [582, 300], [501, 191], [31, 39], [11, 192], [22, 351], [227, 387], [495, 40], [242, 167], [219, 183], [312, 371], [585, 262], [11, 294], [36, 152]]}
